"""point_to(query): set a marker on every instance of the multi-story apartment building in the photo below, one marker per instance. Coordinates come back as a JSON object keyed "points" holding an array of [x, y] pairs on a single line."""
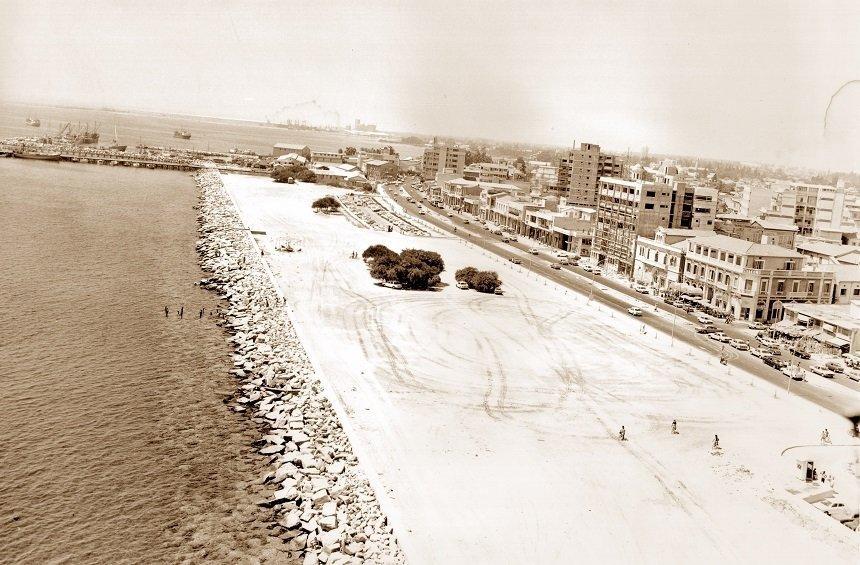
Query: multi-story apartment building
{"points": [[570, 228], [580, 170], [627, 209], [811, 206], [756, 230], [442, 158], [751, 281], [704, 207], [659, 262], [543, 174], [487, 172], [753, 198]]}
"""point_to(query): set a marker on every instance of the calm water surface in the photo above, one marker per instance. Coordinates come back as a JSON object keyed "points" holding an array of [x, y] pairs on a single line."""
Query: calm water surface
{"points": [[115, 443]]}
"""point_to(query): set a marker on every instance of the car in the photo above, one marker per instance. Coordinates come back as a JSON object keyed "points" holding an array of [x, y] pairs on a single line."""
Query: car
{"points": [[555, 266], [596, 271], [640, 288], [703, 319], [823, 371], [486, 227], [669, 301], [761, 352], [587, 267], [450, 214], [706, 330], [560, 254], [422, 212], [498, 291], [516, 260], [720, 336], [498, 231], [835, 367], [768, 342], [799, 353], [506, 239], [564, 261], [756, 326], [462, 285], [533, 250], [775, 362], [394, 285], [837, 510], [793, 372], [634, 311], [465, 220], [739, 344]]}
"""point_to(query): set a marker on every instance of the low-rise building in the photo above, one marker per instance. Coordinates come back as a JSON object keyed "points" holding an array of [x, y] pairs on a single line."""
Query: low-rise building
{"points": [[750, 281], [326, 157], [659, 261], [487, 172], [756, 230], [836, 326], [286, 148], [377, 169], [334, 175], [824, 252]]}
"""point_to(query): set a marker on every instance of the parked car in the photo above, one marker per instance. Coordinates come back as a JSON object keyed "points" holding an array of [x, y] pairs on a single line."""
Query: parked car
{"points": [[761, 352], [703, 319], [797, 352], [774, 362], [706, 330], [835, 367], [506, 239], [564, 261], [634, 311], [498, 231], [792, 372], [533, 250], [596, 271], [756, 326], [669, 301], [498, 291], [555, 266], [465, 220], [560, 253], [394, 285], [516, 260], [823, 371], [587, 267], [720, 336], [640, 288], [739, 344], [463, 285], [450, 214], [768, 342]]}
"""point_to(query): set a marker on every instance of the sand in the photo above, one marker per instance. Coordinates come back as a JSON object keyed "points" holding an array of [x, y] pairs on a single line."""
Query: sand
{"points": [[487, 424]]}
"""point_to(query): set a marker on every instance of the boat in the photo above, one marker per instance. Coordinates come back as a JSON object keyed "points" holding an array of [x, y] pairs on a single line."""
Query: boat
{"points": [[34, 122], [182, 134], [78, 136], [39, 156], [116, 146]]}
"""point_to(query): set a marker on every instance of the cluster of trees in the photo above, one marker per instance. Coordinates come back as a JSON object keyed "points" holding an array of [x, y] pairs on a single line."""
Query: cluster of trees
{"points": [[298, 173], [326, 204], [415, 269], [478, 155], [482, 281]]}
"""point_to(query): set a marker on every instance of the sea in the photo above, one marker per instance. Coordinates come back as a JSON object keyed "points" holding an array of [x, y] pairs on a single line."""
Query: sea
{"points": [[117, 444]]}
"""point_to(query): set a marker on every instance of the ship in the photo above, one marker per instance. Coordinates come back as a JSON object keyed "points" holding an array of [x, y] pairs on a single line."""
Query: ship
{"points": [[116, 146], [182, 134], [34, 122], [40, 156], [79, 136]]}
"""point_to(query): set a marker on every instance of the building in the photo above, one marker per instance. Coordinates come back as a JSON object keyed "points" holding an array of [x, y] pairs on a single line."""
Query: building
{"points": [[756, 230], [442, 158], [750, 281], [377, 169], [753, 199], [286, 148], [569, 228], [627, 209], [835, 326], [659, 261], [487, 172], [334, 175], [543, 174], [704, 207], [579, 173], [846, 281], [812, 206], [466, 195], [326, 157], [824, 252]]}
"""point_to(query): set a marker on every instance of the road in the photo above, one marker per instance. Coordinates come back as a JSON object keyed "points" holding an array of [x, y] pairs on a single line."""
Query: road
{"points": [[579, 280]]}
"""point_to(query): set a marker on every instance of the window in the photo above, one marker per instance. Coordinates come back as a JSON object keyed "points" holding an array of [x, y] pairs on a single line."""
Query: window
{"points": [[748, 285], [719, 277], [758, 264], [856, 292], [795, 286], [810, 287], [738, 260], [827, 288], [780, 286], [650, 194], [722, 255], [731, 258], [649, 206], [843, 291], [763, 286]]}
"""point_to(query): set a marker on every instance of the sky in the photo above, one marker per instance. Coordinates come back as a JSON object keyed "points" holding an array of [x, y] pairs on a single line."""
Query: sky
{"points": [[747, 81]]}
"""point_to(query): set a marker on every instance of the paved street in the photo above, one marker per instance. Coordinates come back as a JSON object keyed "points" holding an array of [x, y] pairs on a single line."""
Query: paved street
{"points": [[673, 321]]}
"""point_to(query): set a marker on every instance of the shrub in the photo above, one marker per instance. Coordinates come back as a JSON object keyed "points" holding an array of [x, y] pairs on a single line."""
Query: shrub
{"points": [[326, 204], [415, 269], [465, 275], [299, 173], [486, 281]]}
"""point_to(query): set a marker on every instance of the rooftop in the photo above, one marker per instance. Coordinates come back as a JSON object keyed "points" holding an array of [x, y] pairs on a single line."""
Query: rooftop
{"points": [[829, 249], [291, 146], [837, 314], [742, 247]]}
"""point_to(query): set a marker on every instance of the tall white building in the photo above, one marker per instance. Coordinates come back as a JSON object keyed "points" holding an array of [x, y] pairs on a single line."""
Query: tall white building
{"points": [[443, 158]]}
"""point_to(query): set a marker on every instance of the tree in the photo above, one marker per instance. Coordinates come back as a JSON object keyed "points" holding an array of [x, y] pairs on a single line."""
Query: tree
{"points": [[465, 275], [486, 281], [375, 251], [350, 151], [479, 155], [415, 269], [521, 164], [326, 204], [281, 173]]}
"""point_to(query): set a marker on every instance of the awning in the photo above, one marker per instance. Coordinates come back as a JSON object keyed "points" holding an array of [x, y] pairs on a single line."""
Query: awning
{"points": [[833, 340], [685, 288], [788, 327]]}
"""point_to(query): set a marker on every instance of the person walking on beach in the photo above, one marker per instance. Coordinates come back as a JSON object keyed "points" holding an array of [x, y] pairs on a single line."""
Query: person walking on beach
{"points": [[201, 313], [181, 311], [674, 427], [716, 446], [166, 311], [825, 437], [622, 434]]}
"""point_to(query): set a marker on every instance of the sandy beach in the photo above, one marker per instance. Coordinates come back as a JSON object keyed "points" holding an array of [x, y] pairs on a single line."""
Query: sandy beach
{"points": [[488, 423]]}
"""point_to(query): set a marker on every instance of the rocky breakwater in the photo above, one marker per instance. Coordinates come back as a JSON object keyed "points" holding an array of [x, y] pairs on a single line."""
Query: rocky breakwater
{"points": [[321, 504]]}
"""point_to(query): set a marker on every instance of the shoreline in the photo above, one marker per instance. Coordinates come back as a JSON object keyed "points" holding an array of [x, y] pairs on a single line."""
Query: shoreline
{"points": [[324, 508]]}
